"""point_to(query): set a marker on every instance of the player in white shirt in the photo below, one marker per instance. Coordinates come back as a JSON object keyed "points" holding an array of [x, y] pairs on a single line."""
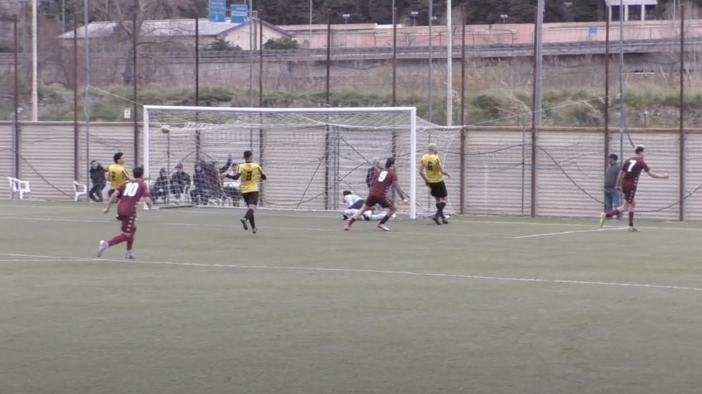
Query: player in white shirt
{"points": [[354, 203]]}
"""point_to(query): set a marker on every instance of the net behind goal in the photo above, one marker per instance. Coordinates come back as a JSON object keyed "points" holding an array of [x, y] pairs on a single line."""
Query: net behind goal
{"points": [[310, 155]]}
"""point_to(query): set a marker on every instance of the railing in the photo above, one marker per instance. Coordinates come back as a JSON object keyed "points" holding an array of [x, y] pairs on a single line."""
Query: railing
{"points": [[412, 52]]}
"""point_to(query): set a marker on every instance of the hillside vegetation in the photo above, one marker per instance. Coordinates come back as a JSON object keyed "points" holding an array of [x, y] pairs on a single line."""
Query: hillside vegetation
{"points": [[645, 106]]}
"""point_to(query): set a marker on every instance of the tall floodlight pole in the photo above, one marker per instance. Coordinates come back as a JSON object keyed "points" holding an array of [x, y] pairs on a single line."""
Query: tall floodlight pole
{"points": [[86, 101], [449, 65], [431, 60], [251, 49], [35, 64], [539, 62], [622, 124], [311, 6]]}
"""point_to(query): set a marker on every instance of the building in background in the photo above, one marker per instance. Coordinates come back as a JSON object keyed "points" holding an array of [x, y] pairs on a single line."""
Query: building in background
{"points": [[632, 9], [182, 31]]}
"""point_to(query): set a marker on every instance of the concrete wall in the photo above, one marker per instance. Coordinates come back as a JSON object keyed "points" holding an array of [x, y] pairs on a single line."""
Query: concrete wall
{"points": [[569, 164]]}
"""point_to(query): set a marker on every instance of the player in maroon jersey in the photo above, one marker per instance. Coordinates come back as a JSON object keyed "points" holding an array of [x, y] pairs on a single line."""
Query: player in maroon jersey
{"points": [[128, 195], [382, 182], [627, 182]]}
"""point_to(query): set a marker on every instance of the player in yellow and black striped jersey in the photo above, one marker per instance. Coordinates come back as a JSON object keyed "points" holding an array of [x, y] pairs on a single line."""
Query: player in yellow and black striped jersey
{"points": [[117, 173], [249, 173], [434, 178]]}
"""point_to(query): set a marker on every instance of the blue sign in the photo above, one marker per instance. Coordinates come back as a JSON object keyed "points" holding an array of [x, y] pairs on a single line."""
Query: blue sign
{"points": [[593, 30], [240, 13], [217, 11]]}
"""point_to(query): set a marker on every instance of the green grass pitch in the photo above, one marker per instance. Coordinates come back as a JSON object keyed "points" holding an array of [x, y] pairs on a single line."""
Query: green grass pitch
{"points": [[483, 305]]}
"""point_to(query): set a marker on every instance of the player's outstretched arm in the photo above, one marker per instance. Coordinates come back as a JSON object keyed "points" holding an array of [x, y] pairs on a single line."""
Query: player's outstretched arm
{"points": [[657, 176], [148, 201], [226, 166], [421, 172], [127, 175], [443, 170], [263, 174]]}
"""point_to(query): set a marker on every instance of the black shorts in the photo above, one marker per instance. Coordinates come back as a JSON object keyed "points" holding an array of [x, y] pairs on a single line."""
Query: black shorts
{"points": [[438, 189], [250, 198], [111, 192]]}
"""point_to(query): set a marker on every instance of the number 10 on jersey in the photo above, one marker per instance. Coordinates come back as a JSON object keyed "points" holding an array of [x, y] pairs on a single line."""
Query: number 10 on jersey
{"points": [[131, 189]]}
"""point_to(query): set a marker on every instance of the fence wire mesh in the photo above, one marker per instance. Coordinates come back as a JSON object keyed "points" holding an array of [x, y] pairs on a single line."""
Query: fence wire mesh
{"points": [[502, 160]]}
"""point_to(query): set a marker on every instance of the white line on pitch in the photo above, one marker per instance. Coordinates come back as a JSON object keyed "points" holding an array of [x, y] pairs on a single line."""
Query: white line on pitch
{"points": [[594, 223], [42, 260], [236, 226], [279, 213], [570, 232], [368, 271]]}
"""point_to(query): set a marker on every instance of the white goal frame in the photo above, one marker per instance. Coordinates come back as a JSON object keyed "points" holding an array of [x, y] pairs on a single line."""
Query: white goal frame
{"points": [[412, 111]]}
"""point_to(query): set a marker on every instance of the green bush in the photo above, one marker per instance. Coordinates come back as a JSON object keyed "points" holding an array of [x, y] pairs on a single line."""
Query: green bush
{"points": [[104, 111], [488, 105], [281, 43], [220, 44], [582, 116]]}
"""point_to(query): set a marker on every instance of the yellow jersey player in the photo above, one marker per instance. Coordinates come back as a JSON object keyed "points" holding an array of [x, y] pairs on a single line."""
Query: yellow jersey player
{"points": [[249, 173], [117, 173], [434, 178]]}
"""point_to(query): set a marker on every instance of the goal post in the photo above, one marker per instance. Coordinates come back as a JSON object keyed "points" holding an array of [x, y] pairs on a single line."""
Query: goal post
{"points": [[310, 155]]}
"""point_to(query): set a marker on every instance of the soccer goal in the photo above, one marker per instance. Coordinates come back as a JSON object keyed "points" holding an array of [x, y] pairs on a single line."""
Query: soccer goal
{"points": [[310, 155]]}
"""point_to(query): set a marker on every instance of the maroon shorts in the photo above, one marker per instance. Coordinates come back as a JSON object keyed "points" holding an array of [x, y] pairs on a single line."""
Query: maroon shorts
{"points": [[128, 223], [629, 191], [383, 201]]}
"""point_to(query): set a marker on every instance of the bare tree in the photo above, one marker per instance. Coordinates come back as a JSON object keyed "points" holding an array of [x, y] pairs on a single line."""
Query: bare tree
{"points": [[130, 17], [693, 49]]}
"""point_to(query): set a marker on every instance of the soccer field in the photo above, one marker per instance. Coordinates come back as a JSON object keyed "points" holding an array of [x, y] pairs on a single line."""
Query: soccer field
{"points": [[483, 305]]}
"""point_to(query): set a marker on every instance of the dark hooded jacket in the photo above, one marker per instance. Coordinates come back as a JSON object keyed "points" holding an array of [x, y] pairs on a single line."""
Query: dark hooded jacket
{"points": [[212, 175]]}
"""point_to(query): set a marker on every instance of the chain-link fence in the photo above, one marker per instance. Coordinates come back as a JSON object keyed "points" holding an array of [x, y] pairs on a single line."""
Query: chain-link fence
{"points": [[509, 166]]}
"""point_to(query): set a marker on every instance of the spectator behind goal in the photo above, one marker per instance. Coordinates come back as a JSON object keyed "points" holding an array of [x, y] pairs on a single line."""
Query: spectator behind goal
{"points": [[201, 192], [179, 180], [160, 187], [213, 179]]}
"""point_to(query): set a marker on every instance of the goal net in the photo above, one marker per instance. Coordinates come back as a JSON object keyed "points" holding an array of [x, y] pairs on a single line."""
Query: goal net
{"points": [[310, 155]]}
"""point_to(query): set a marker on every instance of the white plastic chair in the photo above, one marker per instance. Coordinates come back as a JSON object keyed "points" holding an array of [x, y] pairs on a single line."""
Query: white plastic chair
{"points": [[79, 190], [106, 192], [18, 187], [186, 193]]}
